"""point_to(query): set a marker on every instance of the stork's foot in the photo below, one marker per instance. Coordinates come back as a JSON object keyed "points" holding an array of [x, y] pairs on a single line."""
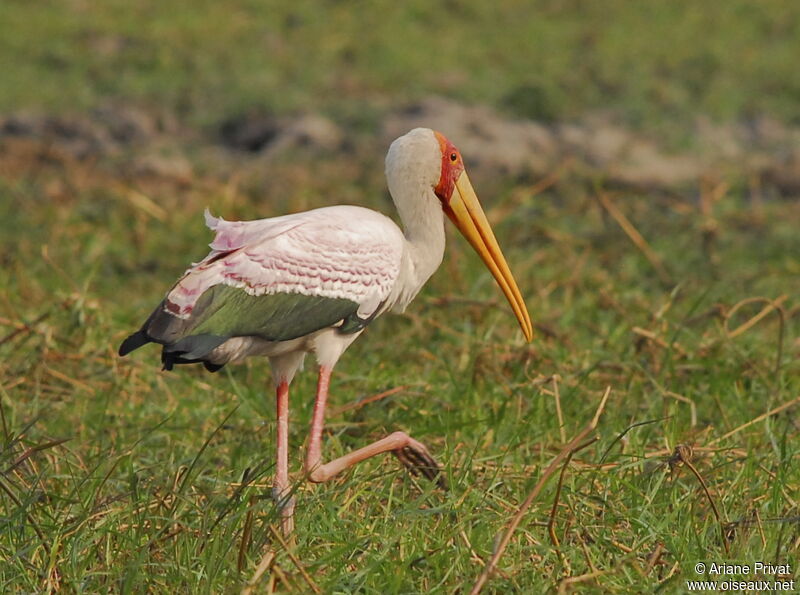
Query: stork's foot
{"points": [[419, 461]]}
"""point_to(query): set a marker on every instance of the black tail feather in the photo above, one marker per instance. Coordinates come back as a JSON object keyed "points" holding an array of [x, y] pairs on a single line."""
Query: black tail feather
{"points": [[171, 332], [169, 359], [196, 347], [135, 341]]}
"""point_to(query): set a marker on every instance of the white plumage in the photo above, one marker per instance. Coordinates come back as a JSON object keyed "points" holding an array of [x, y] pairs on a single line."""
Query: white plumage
{"points": [[346, 252], [343, 252]]}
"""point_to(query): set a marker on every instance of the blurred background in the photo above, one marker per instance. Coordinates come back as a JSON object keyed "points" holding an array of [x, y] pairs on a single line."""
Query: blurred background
{"points": [[640, 162], [641, 92]]}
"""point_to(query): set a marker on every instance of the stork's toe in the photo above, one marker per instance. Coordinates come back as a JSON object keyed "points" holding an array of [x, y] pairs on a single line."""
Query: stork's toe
{"points": [[419, 461]]}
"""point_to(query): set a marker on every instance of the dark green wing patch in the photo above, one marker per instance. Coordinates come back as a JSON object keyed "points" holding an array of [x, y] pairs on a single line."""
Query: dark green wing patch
{"points": [[223, 312], [227, 311]]}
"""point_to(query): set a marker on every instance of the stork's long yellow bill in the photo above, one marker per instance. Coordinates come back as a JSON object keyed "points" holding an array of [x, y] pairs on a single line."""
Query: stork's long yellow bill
{"points": [[467, 214]]}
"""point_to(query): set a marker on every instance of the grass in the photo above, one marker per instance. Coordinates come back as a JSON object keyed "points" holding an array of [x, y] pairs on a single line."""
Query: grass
{"points": [[146, 492], [162, 482]]}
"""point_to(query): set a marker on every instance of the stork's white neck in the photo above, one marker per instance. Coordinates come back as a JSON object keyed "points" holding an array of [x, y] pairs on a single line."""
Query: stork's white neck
{"points": [[413, 167], [423, 226]]}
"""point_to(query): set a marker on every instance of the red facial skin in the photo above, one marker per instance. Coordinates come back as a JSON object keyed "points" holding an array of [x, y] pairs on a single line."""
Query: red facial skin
{"points": [[452, 166]]}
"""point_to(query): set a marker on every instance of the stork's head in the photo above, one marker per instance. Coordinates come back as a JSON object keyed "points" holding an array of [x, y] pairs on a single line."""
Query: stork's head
{"points": [[426, 160]]}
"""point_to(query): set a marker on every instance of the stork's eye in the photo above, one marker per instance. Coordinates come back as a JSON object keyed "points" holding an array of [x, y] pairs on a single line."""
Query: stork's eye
{"points": [[453, 157]]}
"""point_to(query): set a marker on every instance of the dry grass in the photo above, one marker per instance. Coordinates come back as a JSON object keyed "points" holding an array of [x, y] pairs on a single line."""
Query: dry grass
{"points": [[118, 476], [115, 476]]}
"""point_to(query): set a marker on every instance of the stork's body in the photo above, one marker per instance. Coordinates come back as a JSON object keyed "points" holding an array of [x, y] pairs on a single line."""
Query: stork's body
{"points": [[311, 282]]}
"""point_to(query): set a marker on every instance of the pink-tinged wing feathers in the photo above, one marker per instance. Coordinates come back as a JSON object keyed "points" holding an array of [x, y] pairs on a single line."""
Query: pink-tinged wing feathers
{"points": [[232, 235], [338, 252]]}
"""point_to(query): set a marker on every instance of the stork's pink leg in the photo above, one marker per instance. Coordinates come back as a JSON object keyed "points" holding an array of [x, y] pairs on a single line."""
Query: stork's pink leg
{"points": [[414, 455], [280, 490]]}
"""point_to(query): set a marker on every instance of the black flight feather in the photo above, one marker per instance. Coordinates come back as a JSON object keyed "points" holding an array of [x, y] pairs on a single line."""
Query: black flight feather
{"points": [[135, 341]]}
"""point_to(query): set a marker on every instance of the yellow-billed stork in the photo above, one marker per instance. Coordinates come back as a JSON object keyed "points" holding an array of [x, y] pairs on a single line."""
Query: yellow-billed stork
{"points": [[312, 281]]}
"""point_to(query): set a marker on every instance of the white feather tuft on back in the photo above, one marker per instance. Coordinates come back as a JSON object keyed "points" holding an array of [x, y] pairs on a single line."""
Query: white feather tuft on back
{"points": [[211, 221]]}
